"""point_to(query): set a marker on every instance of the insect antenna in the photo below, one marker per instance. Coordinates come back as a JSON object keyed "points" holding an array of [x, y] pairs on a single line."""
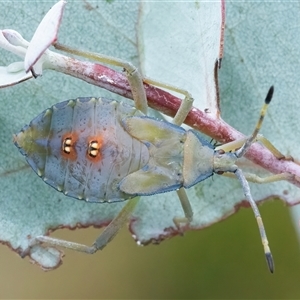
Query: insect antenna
{"points": [[241, 177], [253, 136]]}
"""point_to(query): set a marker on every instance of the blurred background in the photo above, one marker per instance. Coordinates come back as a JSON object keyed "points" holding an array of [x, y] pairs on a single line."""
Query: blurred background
{"points": [[223, 261]]}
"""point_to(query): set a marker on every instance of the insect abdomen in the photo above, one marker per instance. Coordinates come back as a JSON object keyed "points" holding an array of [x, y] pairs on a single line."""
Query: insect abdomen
{"points": [[79, 147]]}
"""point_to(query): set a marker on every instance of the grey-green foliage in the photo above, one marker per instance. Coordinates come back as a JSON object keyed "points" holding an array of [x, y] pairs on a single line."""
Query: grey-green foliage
{"points": [[261, 49]]}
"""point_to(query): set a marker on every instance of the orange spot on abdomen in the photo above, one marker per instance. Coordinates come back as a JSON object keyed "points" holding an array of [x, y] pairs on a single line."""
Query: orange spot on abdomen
{"points": [[68, 142], [95, 144]]}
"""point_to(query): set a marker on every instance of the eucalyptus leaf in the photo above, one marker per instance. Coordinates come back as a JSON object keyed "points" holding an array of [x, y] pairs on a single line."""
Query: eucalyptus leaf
{"points": [[174, 43]]}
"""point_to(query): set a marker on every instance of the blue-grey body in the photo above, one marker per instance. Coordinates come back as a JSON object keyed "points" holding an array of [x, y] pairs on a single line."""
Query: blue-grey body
{"points": [[100, 150]]}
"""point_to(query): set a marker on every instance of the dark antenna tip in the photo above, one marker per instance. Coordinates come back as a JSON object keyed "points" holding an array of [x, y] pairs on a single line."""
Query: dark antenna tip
{"points": [[270, 261], [269, 95]]}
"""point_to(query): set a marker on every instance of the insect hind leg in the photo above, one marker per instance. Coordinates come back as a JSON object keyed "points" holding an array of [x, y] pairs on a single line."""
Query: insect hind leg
{"points": [[104, 238]]}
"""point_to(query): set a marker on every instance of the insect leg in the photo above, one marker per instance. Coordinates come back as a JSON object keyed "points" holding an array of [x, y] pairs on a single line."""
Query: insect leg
{"points": [[272, 148], [257, 179], [272, 178], [187, 208], [133, 75], [105, 237], [231, 146], [136, 82], [186, 103], [179, 118]]}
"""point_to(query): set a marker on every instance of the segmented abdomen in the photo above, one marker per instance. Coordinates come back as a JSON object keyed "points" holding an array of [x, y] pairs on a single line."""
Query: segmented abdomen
{"points": [[80, 147]]}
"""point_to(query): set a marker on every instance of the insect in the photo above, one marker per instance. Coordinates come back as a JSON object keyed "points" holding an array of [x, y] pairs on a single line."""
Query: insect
{"points": [[101, 150]]}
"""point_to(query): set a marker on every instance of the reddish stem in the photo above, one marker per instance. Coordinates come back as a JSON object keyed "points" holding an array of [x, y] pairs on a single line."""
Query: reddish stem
{"points": [[168, 104]]}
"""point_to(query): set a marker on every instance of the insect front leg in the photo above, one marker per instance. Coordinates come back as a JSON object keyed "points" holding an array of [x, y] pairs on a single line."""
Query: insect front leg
{"points": [[271, 178], [231, 146]]}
